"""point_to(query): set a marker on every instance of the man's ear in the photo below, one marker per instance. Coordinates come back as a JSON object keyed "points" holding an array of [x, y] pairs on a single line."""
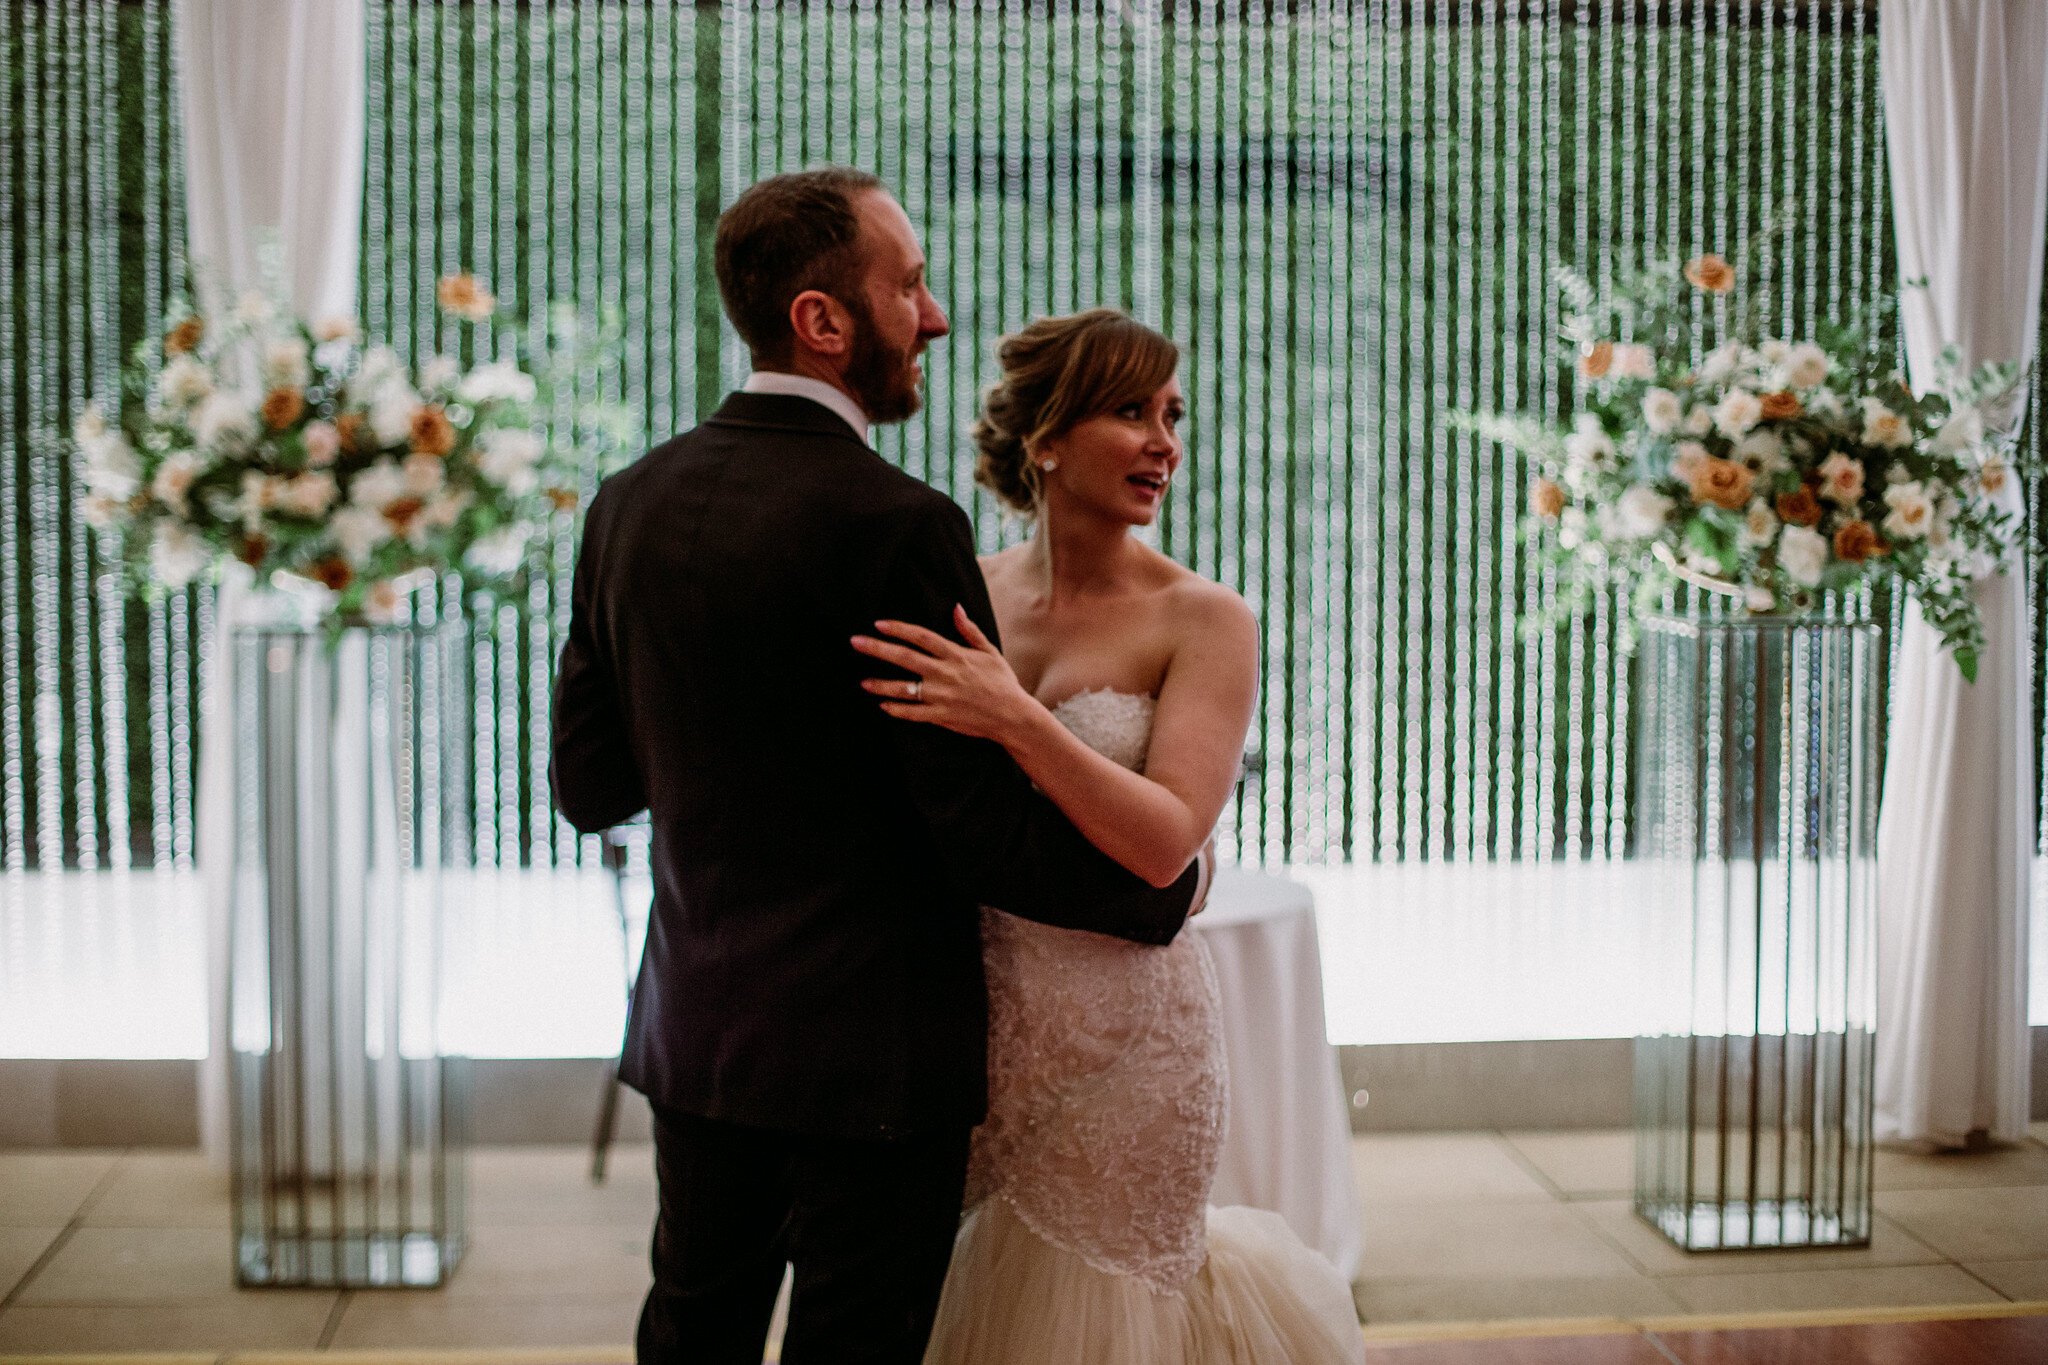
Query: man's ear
{"points": [[821, 323]]}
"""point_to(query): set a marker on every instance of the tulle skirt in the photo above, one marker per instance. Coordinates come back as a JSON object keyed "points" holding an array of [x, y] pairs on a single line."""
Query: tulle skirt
{"points": [[1261, 1298]]}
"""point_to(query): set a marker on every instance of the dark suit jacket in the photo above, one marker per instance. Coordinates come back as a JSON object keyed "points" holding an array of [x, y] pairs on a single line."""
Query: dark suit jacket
{"points": [[814, 955]]}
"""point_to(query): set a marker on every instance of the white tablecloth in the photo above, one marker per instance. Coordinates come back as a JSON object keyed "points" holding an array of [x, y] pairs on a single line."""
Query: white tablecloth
{"points": [[1289, 1144]]}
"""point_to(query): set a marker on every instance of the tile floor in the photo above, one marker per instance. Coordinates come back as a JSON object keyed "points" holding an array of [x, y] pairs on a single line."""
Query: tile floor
{"points": [[127, 1251]]}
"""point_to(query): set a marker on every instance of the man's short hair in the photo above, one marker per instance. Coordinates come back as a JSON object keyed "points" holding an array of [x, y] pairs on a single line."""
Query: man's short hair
{"points": [[782, 236]]}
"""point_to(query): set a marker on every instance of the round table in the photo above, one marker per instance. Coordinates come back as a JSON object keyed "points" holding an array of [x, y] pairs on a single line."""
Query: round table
{"points": [[1288, 1148]]}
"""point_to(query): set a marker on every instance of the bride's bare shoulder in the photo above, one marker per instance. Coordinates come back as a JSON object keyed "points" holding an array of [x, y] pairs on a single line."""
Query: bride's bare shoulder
{"points": [[1001, 562], [1202, 608]]}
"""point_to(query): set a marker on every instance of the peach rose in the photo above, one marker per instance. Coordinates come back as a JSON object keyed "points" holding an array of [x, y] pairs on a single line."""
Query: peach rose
{"points": [[282, 407], [564, 499], [252, 549], [185, 336], [1711, 273], [1780, 405], [1546, 499], [333, 571], [432, 432], [349, 427], [1723, 483], [1597, 360], [1857, 541], [1799, 507], [401, 513], [465, 296]]}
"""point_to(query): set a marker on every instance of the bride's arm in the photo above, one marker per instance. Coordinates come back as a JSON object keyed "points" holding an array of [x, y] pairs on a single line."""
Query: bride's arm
{"points": [[1152, 823]]}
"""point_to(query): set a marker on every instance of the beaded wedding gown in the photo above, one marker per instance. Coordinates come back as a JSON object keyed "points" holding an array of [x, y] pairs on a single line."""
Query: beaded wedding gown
{"points": [[1088, 1238]]}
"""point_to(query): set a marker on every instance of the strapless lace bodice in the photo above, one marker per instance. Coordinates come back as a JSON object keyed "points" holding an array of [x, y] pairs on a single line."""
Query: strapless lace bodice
{"points": [[1106, 1081]]}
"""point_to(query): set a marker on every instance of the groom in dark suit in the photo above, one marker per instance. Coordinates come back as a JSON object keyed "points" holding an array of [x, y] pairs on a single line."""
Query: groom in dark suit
{"points": [[810, 1019]]}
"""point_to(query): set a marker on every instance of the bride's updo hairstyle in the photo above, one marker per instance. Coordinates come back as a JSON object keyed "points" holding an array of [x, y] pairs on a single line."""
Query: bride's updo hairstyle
{"points": [[1058, 373]]}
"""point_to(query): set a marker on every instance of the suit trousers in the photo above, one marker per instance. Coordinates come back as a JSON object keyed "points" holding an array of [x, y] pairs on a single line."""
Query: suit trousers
{"points": [[867, 1225]]}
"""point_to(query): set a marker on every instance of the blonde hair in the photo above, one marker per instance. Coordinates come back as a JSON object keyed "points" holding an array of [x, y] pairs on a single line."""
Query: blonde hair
{"points": [[1056, 374]]}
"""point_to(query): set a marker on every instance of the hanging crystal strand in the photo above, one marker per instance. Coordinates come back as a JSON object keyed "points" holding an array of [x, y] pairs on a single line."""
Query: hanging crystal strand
{"points": [[955, 192], [45, 319], [1315, 518], [1016, 138], [13, 800], [1175, 35], [1536, 655], [1059, 98], [181, 665], [885, 22], [111, 609], [913, 95], [81, 830], [1454, 388], [1370, 86], [1248, 408], [1279, 487]]}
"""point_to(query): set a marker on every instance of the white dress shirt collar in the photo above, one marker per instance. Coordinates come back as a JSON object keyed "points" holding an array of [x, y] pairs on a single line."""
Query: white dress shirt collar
{"points": [[817, 390]]}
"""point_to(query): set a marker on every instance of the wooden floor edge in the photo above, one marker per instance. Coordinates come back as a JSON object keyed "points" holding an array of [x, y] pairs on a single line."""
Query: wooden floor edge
{"points": [[1380, 1334], [1499, 1329], [1392, 1333], [1841, 1317]]}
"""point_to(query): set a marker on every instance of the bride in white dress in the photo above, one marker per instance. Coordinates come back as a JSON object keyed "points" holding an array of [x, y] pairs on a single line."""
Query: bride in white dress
{"points": [[1125, 692]]}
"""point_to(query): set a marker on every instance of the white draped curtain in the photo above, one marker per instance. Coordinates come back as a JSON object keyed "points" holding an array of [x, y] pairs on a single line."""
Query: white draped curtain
{"points": [[1966, 119], [272, 96]]}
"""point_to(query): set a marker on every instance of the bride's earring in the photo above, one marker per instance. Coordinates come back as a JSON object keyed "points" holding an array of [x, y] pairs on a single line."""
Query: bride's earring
{"points": [[1048, 465]]}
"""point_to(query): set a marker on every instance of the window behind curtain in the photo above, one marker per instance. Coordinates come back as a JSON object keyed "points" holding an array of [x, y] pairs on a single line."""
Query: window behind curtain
{"points": [[1347, 213]]}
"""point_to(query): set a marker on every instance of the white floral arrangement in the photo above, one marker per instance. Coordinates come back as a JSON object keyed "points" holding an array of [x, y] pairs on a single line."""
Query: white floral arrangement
{"points": [[316, 457], [1772, 471]]}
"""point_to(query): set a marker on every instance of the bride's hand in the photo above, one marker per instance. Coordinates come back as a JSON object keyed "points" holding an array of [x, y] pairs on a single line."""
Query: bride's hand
{"points": [[966, 688]]}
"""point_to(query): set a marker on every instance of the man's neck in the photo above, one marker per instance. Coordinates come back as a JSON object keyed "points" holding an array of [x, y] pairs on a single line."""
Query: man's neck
{"points": [[813, 388], [810, 367]]}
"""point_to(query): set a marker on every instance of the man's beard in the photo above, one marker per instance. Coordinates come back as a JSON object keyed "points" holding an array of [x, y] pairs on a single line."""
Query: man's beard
{"points": [[884, 380]]}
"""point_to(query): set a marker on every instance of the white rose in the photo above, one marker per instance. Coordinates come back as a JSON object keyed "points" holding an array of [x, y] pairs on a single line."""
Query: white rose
{"points": [[1759, 525], [101, 511], [1572, 528], [1737, 412], [286, 364], [1773, 350], [500, 379], [443, 511], [1841, 479], [501, 552], [174, 479], [1634, 361], [391, 415], [259, 495], [506, 457], [380, 366], [1721, 362], [1699, 421], [1761, 452], [1912, 513], [253, 308], [358, 531], [183, 382], [1883, 427], [177, 555], [225, 421], [111, 467], [377, 487], [424, 475], [1824, 403], [439, 373], [381, 602], [1806, 365], [1962, 431], [336, 327], [1758, 599], [1661, 410], [1804, 554], [308, 495], [323, 443], [88, 426], [1995, 481], [1641, 511]]}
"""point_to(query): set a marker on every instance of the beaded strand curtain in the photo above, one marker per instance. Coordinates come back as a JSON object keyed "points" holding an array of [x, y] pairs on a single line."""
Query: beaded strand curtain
{"points": [[1346, 211]]}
